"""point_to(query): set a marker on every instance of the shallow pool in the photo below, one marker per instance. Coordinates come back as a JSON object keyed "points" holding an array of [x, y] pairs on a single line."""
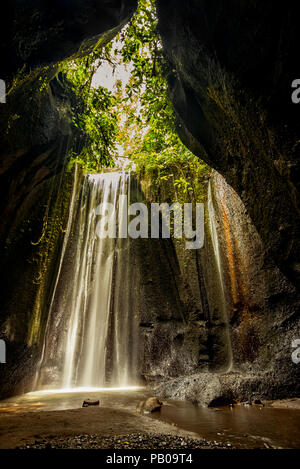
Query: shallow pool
{"points": [[244, 427]]}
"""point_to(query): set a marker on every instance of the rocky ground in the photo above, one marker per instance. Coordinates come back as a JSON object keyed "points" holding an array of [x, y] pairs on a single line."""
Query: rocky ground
{"points": [[286, 404], [132, 441]]}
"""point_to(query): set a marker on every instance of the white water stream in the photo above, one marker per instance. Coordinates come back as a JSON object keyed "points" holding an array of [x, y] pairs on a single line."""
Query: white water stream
{"points": [[91, 329]]}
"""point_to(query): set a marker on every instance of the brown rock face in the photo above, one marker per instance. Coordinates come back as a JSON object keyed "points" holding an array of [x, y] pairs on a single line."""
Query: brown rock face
{"points": [[239, 312]]}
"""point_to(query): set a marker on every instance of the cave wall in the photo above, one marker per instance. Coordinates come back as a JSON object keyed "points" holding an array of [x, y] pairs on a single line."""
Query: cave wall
{"points": [[231, 66], [262, 314], [39, 33], [37, 138], [262, 304], [29, 264], [216, 325]]}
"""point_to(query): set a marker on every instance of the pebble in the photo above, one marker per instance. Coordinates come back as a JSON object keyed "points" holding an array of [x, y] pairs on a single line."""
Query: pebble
{"points": [[132, 441]]}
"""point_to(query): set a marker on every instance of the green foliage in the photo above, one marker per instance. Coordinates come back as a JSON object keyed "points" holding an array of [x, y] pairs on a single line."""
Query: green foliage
{"points": [[139, 117], [149, 136], [96, 117]]}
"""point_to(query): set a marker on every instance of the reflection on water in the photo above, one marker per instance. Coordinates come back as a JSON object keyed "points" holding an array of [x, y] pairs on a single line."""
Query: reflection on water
{"points": [[245, 427], [73, 398], [249, 427]]}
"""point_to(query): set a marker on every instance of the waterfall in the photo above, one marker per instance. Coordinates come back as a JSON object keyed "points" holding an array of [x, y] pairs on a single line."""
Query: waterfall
{"points": [[91, 335], [214, 236]]}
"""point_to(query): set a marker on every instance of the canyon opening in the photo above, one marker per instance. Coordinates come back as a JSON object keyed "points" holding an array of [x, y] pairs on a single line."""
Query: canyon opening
{"points": [[150, 237]]}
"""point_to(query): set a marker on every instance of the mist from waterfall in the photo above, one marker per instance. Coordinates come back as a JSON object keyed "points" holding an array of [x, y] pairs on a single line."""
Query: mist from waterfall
{"points": [[91, 335]]}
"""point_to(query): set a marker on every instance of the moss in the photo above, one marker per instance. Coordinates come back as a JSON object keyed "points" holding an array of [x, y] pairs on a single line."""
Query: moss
{"points": [[182, 182], [48, 252]]}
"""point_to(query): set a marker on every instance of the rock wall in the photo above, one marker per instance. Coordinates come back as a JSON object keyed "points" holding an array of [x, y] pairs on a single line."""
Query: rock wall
{"points": [[39, 33], [29, 263], [262, 314], [184, 327], [37, 138], [231, 66]]}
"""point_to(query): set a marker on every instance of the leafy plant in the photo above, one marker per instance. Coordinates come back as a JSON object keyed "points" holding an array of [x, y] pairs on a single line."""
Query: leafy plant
{"points": [[137, 118], [149, 136], [96, 118]]}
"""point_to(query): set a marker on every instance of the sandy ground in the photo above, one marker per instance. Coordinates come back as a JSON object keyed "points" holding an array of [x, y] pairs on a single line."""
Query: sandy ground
{"points": [[26, 428], [100, 427]]}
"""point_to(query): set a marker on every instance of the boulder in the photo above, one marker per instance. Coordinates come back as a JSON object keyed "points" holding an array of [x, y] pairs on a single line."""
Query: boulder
{"points": [[152, 404]]}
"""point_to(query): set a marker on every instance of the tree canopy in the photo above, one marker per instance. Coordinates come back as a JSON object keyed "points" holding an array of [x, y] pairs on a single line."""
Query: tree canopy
{"points": [[137, 118]]}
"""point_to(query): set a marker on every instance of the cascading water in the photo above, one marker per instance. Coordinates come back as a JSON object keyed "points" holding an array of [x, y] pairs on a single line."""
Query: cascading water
{"points": [[213, 231], [105, 297], [91, 335]]}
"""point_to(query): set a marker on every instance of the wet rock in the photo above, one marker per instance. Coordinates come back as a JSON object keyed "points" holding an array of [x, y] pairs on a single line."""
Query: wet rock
{"points": [[90, 402], [257, 402], [153, 404]]}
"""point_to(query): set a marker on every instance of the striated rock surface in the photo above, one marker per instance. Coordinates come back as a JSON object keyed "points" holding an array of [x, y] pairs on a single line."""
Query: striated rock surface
{"points": [[262, 314]]}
